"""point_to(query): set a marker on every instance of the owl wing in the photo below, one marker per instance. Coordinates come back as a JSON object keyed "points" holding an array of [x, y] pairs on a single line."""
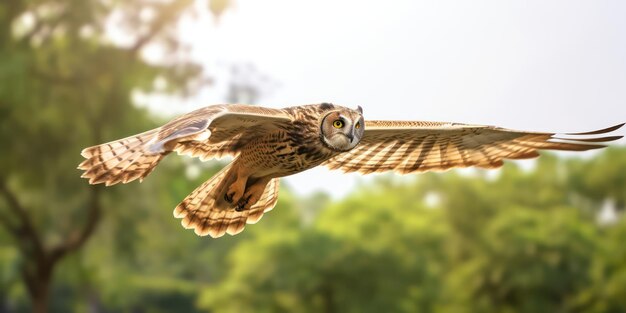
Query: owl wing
{"points": [[411, 146], [198, 210], [209, 132], [215, 131]]}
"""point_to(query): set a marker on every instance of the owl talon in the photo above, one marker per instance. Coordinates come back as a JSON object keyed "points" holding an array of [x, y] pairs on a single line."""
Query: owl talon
{"points": [[242, 204], [229, 197]]}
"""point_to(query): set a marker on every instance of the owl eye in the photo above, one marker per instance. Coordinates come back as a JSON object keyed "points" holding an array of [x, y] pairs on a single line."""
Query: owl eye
{"points": [[338, 124], [358, 125]]}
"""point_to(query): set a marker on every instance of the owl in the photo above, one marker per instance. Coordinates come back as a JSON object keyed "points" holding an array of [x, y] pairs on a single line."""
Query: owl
{"points": [[267, 144]]}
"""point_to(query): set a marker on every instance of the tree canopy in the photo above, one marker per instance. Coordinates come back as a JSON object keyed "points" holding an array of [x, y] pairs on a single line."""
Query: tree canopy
{"points": [[513, 240]]}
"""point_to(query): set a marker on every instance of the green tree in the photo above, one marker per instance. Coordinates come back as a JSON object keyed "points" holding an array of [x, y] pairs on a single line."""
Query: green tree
{"points": [[64, 86], [517, 241], [358, 256], [602, 177]]}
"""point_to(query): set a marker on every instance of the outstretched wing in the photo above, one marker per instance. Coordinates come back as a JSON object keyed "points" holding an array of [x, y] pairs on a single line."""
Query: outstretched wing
{"points": [[209, 132], [219, 130], [410, 146]]}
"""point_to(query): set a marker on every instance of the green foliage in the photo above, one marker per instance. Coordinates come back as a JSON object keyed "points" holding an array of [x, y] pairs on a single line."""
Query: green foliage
{"points": [[65, 86], [352, 252], [527, 262], [514, 241]]}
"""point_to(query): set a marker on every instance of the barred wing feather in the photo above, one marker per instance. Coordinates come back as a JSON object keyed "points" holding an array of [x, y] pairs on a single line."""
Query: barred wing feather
{"points": [[411, 146]]}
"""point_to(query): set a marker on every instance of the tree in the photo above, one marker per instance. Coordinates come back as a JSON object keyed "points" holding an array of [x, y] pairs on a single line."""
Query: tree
{"points": [[518, 241], [63, 87], [359, 255]]}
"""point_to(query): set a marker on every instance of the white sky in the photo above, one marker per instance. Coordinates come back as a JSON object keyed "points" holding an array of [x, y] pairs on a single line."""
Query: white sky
{"points": [[532, 65]]}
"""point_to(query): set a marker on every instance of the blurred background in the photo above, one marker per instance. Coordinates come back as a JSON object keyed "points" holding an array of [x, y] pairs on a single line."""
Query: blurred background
{"points": [[534, 236]]}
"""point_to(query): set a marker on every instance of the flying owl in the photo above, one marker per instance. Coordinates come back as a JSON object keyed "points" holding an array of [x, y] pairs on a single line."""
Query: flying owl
{"points": [[268, 144]]}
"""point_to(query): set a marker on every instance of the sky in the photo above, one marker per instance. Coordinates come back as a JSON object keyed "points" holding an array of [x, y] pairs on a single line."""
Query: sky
{"points": [[557, 66]]}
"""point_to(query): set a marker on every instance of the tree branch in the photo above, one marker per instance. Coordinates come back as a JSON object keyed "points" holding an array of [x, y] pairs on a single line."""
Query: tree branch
{"points": [[78, 238], [21, 213]]}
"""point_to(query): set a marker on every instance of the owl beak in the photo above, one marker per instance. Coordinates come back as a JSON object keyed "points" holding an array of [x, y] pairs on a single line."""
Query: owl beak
{"points": [[350, 136]]}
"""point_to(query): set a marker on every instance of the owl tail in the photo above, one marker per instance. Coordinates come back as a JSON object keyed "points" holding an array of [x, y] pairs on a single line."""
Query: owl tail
{"points": [[122, 160], [200, 211]]}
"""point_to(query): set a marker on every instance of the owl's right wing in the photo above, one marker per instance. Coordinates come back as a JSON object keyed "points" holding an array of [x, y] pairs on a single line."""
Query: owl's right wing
{"points": [[215, 131], [210, 132], [412, 146]]}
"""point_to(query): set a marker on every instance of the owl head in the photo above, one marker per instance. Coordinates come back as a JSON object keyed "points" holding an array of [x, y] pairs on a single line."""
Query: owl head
{"points": [[342, 128]]}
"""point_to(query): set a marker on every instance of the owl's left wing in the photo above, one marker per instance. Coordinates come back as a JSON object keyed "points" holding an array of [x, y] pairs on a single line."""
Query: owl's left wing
{"points": [[215, 131], [411, 146]]}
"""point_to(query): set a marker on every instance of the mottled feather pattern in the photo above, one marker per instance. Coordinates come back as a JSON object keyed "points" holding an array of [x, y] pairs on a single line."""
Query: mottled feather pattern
{"points": [[207, 133], [205, 151], [411, 146], [228, 134], [271, 143]]}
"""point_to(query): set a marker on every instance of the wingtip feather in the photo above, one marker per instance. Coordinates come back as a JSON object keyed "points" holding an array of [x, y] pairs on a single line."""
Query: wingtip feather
{"points": [[600, 131]]}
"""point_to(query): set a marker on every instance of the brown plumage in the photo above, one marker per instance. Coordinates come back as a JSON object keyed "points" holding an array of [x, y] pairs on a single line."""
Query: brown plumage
{"points": [[271, 143]]}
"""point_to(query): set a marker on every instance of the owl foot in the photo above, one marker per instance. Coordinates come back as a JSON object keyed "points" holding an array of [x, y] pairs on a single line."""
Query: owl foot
{"points": [[242, 205], [235, 191], [252, 195], [229, 197]]}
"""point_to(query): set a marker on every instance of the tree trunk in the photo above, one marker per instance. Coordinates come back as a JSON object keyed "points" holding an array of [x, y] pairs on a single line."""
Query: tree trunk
{"points": [[39, 289], [38, 270], [41, 298]]}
